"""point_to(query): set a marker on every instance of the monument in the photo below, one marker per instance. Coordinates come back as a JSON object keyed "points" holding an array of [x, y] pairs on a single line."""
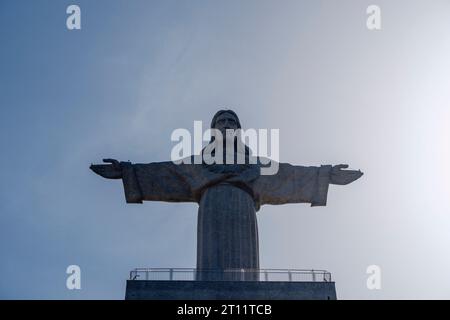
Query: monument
{"points": [[229, 195]]}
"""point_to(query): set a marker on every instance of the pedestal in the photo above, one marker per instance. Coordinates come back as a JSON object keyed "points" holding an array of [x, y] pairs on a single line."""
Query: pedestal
{"points": [[228, 290]]}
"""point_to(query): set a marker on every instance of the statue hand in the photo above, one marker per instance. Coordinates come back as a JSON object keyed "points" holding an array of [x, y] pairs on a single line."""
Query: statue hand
{"points": [[342, 177], [108, 171]]}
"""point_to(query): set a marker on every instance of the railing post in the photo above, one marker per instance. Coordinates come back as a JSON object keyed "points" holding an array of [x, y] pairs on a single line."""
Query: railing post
{"points": [[242, 274], [266, 275], [289, 275], [171, 274], [313, 276]]}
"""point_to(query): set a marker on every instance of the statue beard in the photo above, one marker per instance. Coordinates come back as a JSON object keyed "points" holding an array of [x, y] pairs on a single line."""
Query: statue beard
{"points": [[236, 152]]}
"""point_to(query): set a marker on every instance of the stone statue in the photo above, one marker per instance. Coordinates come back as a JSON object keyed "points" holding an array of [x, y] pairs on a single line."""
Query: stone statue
{"points": [[228, 196]]}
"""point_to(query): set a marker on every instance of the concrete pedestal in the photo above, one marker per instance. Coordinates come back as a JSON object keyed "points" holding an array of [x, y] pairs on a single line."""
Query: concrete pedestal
{"points": [[229, 290]]}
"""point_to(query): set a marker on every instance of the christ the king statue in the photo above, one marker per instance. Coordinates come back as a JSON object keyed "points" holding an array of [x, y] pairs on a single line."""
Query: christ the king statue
{"points": [[229, 195]]}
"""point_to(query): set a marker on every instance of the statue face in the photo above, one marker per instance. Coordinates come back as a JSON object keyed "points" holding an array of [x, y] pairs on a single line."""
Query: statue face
{"points": [[226, 121]]}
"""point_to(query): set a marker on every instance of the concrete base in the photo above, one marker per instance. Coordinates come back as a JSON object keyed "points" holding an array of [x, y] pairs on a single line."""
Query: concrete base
{"points": [[229, 290]]}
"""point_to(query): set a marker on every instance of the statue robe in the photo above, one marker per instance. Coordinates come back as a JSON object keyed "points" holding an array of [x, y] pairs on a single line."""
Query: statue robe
{"points": [[227, 232]]}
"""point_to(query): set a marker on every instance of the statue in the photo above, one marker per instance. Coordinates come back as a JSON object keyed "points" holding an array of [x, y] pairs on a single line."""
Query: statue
{"points": [[228, 196]]}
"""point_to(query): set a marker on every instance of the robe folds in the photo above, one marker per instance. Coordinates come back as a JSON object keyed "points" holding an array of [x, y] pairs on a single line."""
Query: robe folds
{"points": [[227, 232]]}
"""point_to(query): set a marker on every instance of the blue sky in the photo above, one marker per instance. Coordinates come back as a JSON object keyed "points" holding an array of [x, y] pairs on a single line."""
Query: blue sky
{"points": [[137, 70]]}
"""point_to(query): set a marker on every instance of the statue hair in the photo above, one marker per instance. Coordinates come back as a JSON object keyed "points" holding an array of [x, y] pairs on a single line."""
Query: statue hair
{"points": [[220, 112]]}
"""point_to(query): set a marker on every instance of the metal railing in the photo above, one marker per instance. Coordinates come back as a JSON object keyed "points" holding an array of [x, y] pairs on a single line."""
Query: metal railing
{"points": [[189, 274]]}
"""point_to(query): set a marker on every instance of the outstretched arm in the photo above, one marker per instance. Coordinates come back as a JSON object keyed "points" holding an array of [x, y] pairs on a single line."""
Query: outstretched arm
{"points": [[159, 181], [299, 184]]}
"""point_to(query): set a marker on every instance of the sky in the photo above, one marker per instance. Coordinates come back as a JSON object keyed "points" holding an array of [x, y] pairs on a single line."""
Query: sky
{"points": [[137, 70]]}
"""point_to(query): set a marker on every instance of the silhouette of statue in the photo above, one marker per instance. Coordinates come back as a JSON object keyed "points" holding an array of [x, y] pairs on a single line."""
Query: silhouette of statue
{"points": [[229, 195]]}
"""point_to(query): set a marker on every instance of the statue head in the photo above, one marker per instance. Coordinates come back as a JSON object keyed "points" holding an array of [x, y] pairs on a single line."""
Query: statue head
{"points": [[225, 119]]}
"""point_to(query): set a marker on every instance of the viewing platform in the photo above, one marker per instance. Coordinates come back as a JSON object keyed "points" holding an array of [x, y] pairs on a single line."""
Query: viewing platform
{"points": [[230, 284]]}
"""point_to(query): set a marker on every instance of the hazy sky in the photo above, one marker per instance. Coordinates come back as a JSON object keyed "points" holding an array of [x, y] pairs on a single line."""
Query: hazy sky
{"points": [[137, 70]]}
